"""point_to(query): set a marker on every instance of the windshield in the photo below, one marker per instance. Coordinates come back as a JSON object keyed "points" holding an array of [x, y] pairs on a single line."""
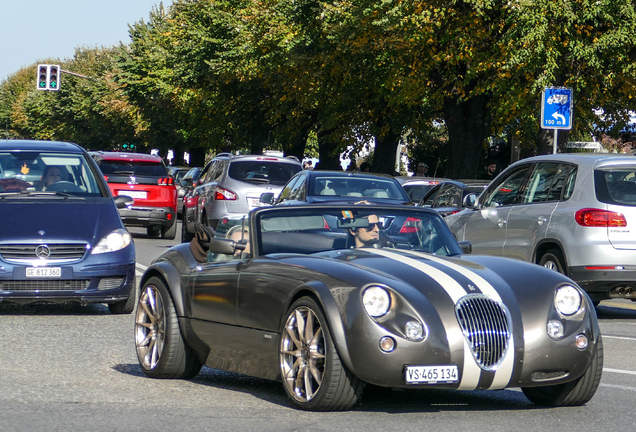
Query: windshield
{"points": [[47, 172], [140, 169], [261, 171], [318, 229]]}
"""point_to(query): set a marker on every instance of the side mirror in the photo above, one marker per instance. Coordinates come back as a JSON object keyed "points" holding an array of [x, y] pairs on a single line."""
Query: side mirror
{"points": [[223, 246], [267, 198], [467, 247], [122, 201], [470, 200], [186, 183]]}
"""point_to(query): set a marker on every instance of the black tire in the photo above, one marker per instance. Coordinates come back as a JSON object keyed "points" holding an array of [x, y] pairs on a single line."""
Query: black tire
{"points": [[153, 231], [335, 388], [553, 260], [575, 393], [161, 350], [185, 235], [125, 306], [169, 233]]}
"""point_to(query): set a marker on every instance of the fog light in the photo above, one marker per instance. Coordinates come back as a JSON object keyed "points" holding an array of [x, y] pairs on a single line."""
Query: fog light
{"points": [[555, 329], [387, 344], [414, 330], [581, 341]]}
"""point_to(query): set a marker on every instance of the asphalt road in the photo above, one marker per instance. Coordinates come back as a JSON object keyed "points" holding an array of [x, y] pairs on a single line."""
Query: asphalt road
{"points": [[74, 368]]}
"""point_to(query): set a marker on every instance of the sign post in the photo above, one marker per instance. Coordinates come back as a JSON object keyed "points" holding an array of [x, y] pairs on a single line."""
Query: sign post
{"points": [[556, 110]]}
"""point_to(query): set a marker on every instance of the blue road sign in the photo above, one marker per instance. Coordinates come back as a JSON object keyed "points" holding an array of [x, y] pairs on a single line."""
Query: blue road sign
{"points": [[556, 108]]}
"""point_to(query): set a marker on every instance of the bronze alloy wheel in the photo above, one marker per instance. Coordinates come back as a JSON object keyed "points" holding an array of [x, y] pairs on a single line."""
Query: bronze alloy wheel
{"points": [[150, 329], [303, 354]]}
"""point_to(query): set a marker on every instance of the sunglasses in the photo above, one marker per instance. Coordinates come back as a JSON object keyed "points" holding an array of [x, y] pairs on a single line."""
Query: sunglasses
{"points": [[372, 226]]}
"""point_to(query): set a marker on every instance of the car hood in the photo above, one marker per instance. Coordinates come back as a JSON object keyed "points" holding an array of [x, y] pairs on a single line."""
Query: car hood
{"points": [[57, 220]]}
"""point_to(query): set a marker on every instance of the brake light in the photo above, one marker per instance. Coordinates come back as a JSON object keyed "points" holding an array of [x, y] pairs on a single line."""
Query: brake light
{"points": [[410, 225], [599, 218], [106, 178], [192, 201], [221, 194], [166, 181]]}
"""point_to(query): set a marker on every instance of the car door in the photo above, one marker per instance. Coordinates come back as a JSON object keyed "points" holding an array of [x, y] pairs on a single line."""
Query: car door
{"points": [[448, 200], [212, 295], [529, 220], [486, 226]]}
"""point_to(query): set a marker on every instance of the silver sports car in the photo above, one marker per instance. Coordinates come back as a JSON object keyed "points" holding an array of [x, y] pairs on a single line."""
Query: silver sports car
{"points": [[326, 298]]}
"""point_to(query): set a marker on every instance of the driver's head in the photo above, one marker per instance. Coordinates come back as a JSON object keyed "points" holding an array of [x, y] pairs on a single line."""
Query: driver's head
{"points": [[369, 236]]}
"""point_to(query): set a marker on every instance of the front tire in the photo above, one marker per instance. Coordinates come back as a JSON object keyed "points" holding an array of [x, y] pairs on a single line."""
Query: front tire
{"points": [[575, 393], [313, 376], [161, 349], [125, 306], [553, 260]]}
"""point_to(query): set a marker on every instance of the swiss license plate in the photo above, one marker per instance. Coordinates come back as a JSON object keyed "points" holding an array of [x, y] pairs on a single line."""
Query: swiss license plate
{"points": [[134, 194], [431, 374], [44, 272], [256, 202]]}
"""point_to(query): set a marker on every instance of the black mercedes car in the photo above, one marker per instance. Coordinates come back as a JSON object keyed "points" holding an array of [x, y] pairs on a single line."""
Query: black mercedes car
{"points": [[61, 237], [325, 309]]}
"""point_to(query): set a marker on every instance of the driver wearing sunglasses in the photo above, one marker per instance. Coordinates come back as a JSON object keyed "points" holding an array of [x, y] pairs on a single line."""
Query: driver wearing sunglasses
{"points": [[368, 237]]}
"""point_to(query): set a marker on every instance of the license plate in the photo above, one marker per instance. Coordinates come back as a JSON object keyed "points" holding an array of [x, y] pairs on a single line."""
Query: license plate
{"points": [[256, 202], [44, 272], [431, 374], [134, 194]]}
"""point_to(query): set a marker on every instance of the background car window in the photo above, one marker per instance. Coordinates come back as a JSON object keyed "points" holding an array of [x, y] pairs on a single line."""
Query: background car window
{"points": [[133, 168], [428, 202], [506, 190], [616, 187], [449, 196], [298, 192], [541, 183], [285, 194], [270, 172]]}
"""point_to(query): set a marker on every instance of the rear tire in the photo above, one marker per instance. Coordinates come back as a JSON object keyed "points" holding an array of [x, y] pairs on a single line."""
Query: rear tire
{"points": [[553, 260], [161, 350], [169, 233], [313, 376], [575, 393]]}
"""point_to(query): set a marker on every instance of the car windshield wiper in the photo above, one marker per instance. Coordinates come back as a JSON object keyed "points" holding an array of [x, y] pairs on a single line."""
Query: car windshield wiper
{"points": [[8, 194], [256, 180]]}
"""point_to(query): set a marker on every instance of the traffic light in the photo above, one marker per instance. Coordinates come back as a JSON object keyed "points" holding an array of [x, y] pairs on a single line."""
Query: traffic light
{"points": [[42, 77], [48, 77], [128, 146], [55, 75]]}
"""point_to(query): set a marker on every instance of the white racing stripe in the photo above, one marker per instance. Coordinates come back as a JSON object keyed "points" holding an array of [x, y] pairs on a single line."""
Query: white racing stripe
{"points": [[471, 372]]}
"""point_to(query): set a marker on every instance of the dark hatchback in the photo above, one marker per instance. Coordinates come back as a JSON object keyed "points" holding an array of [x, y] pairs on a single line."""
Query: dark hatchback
{"points": [[61, 237]]}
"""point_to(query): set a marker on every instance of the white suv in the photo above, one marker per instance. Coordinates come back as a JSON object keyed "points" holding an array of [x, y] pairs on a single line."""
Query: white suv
{"points": [[573, 213]]}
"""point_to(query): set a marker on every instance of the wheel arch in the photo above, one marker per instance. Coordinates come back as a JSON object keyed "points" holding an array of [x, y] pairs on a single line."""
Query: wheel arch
{"points": [[323, 296], [171, 278], [544, 245]]}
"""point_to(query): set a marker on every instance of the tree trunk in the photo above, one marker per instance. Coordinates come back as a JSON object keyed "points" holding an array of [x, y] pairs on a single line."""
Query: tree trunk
{"points": [[328, 151], [468, 126], [385, 152]]}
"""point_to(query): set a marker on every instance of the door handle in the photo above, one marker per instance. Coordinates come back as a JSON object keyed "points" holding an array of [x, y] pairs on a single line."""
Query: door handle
{"points": [[501, 223], [541, 220]]}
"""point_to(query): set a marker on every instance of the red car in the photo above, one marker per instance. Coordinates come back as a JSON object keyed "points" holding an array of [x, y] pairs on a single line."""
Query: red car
{"points": [[144, 178]]}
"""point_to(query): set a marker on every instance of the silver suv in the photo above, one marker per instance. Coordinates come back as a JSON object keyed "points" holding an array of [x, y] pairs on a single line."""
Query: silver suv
{"points": [[573, 213], [232, 185]]}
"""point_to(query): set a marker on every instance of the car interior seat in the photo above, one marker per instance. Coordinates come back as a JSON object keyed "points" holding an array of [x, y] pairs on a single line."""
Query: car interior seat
{"points": [[327, 191], [381, 194]]}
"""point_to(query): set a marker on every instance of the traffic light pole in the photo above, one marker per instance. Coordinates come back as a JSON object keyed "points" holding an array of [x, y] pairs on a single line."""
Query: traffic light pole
{"points": [[73, 73]]}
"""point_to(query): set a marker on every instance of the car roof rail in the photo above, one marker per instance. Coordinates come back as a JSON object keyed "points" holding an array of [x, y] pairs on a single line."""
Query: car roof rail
{"points": [[225, 154], [293, 157]]}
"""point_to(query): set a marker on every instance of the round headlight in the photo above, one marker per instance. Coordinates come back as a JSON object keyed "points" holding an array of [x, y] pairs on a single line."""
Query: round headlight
{"points": [[376, 301], [567, 300], [414, 330]]}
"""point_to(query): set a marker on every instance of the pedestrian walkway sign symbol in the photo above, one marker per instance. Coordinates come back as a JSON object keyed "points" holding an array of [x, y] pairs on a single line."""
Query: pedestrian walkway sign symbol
{"points": [[556, 108]]}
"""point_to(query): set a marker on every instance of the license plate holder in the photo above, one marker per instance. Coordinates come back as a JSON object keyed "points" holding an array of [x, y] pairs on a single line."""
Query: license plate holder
{"points": [[437, 374], [44, 272], [134, 194]]}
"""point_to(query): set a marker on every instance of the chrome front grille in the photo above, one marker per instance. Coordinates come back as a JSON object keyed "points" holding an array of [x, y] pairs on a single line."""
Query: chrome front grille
{"points": [[486, 326], [44, 285], [62, 252]]}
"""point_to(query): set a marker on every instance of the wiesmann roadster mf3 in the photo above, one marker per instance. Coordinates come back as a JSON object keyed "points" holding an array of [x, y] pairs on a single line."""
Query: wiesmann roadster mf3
{"points": [[326, 298]]}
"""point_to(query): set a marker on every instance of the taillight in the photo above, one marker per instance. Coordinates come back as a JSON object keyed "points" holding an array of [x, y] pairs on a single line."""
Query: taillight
{"points": [[166, 181], [409, 226], [599, 218], [192, 201], [106, 178], [221, 194]]}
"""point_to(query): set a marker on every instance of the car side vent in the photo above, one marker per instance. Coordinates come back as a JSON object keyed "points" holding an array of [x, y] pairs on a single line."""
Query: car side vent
{"points": [[487, 328]]}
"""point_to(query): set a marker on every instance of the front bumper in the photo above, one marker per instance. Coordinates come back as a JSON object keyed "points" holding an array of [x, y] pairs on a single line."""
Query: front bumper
{"points": [[104, 283], [148, 216]]}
